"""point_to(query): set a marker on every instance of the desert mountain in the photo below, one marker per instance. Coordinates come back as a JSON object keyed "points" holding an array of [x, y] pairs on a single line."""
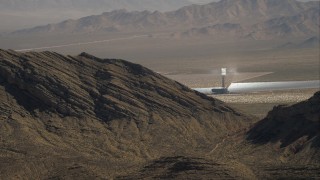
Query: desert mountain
{"points": [[303, 24], [259, 17], [21, 14], [69, 116], [284, 144], [296, 129], [224, 30], [312, 42]]}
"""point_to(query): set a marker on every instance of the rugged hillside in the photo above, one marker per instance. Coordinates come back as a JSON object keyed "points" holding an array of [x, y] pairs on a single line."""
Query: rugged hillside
{"points": [[247, 13], [243, 11], [283, 145], [86, 117], [303, 24], [86, 85], [180, 167], [65, 116], [294, 128]]}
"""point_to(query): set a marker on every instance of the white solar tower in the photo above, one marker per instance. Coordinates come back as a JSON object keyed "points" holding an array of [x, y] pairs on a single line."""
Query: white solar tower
{"points": [[223, 76]]}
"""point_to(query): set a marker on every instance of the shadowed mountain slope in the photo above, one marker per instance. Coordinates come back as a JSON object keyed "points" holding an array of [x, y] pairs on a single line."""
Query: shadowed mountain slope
{"points": [[82, 116], [283, 145], [180, 167], [294, 128]]}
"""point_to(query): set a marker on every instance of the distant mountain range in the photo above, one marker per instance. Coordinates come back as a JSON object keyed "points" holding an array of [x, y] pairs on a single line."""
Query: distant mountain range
{"points": [[313, 42], [257, 19], [303, 24], [96, 5], [19, 14]]}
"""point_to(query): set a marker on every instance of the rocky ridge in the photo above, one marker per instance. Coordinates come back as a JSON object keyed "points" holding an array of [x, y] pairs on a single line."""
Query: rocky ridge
{"points": [[78, 86], [295, 129], [62, 115]]}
